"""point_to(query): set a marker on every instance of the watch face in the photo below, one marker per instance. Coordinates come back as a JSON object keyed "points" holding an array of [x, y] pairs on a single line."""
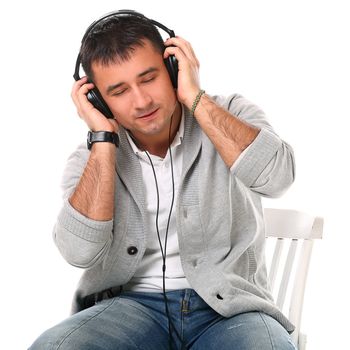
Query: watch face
{"points": [[88, 140]]}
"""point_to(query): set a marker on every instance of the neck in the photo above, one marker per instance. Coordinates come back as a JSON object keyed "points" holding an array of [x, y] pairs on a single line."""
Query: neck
{"points": [[159, 144]]}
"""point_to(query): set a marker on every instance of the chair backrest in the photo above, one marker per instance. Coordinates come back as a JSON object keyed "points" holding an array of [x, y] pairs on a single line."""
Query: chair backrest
{"points": [[297, 228]]}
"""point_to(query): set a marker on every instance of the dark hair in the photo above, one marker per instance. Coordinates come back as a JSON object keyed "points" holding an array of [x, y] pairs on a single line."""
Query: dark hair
{"points": [[113, 40]]}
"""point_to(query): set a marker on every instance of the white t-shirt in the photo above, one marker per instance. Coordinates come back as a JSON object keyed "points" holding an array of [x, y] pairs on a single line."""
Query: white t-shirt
{"points": [[149, 275]]}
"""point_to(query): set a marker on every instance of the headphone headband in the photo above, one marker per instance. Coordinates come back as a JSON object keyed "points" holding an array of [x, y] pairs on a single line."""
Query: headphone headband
{"points": [[121, 13]]}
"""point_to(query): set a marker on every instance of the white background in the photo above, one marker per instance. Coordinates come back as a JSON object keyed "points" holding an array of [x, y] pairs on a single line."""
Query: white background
{"points": [[289, 57]]}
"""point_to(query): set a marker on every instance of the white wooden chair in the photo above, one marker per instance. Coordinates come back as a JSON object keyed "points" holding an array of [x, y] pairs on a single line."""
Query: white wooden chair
{"points": [[294, 227]]}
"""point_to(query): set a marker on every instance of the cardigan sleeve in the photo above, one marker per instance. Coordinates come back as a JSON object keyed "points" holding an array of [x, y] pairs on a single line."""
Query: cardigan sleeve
{"points": [[83, 242], [268, 166]]}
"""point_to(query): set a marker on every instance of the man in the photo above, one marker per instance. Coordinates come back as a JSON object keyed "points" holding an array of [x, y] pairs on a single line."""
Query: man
{"points": [[168, 225]]}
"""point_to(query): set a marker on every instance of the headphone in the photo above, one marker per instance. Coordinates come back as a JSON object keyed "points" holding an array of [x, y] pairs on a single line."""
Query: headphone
{"points": [[94, 96]]}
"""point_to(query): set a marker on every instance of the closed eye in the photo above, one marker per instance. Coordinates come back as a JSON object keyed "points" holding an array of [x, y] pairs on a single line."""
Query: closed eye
{"points": [[148, 80], [120, 92]]}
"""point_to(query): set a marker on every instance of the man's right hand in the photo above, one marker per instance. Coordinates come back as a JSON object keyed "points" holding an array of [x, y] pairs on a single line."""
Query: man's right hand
{"points": [[94, 119]]}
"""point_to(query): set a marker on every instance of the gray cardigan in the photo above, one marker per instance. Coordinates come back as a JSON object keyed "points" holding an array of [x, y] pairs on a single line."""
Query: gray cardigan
{"points": [[219, 218]]}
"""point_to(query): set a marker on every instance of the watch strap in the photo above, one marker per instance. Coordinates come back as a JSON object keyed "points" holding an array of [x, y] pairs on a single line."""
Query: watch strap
{"points": [[102, 136]]}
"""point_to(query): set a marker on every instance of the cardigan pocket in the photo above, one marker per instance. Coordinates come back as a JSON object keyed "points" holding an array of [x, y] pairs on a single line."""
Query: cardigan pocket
{"points": [[192, 229]]}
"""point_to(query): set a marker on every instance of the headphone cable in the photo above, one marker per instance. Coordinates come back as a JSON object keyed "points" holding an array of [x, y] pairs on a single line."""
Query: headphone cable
{"points": [[163, 251]]}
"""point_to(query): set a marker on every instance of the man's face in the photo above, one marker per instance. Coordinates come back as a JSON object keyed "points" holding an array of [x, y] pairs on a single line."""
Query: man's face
{"points": [[138, 92]]}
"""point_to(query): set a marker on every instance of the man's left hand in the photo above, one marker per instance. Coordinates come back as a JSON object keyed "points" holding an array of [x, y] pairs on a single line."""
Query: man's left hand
{"points": [[188, 76]]}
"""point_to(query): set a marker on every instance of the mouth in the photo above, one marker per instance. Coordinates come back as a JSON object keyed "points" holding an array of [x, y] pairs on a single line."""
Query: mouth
{"points": [[148, 115]]}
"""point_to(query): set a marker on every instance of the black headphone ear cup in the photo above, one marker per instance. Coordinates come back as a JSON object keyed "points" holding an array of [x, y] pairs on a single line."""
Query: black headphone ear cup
{"points": [[173, 69], [98, 102]]}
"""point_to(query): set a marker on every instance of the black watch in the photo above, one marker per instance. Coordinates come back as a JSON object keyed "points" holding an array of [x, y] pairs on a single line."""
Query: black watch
{"points": [[102, 136]]}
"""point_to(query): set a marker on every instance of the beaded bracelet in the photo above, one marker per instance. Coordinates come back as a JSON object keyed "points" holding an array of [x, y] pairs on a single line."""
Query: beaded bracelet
{"points": [[196, 100]]}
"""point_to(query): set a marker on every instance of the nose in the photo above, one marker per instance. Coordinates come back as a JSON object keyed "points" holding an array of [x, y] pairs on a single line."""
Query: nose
{"points": [[141, 99]]}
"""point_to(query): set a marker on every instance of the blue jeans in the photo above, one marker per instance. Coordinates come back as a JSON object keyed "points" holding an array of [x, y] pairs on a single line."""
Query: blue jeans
{"points": [[135, 320]]}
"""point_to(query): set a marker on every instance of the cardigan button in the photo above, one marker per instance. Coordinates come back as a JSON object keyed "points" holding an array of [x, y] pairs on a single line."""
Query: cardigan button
{"points": [[132, 250]]}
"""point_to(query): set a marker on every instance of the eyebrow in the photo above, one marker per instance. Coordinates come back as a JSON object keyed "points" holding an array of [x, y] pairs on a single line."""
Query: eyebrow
{"points": [[115, 86]]}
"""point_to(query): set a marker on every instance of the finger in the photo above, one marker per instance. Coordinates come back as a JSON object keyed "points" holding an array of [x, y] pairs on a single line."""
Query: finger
{"points": [[81, 90], [180, 43], [186, 48], [77, 84], [76, 87], [184, 45], [179, 55], [85, 88], [176, 51], [80, 100], [183, 60]]}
